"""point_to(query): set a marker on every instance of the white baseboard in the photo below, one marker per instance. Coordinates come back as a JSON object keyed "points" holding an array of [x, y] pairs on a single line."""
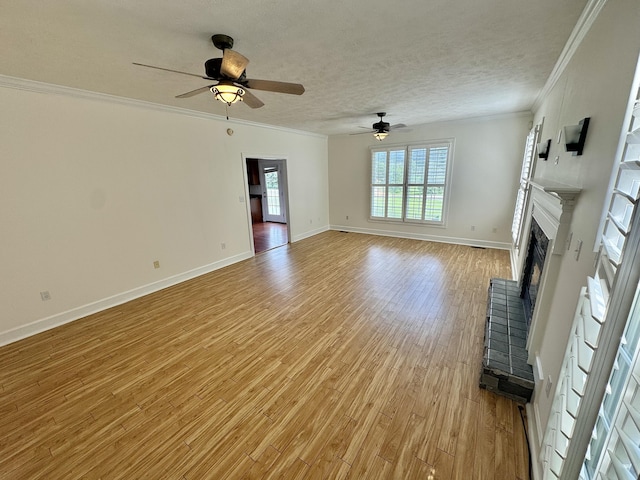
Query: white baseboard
{"points": [[534, 441], [310, 233], [58, 319], [472, 242]]}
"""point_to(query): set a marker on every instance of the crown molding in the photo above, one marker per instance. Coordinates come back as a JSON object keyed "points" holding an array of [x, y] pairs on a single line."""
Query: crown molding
{"points": [[52, 89], [588, 16]]}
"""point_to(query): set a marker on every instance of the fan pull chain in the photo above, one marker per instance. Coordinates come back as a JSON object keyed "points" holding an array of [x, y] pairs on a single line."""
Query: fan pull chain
{"points": [[226, 109]]}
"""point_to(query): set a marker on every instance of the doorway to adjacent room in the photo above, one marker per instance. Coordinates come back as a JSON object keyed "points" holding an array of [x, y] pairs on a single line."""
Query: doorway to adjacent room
{"points": [[267, 179]]}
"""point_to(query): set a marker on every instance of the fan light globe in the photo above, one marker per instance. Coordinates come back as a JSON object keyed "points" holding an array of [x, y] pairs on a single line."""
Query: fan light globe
{"points": [[380, 135], [227, 93]]}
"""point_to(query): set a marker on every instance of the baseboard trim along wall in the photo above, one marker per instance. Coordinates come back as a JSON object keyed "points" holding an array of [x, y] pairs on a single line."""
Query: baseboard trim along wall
{"points": [[59, 319], [472, 242], [309, 233], [62, 318], [534, 441]]}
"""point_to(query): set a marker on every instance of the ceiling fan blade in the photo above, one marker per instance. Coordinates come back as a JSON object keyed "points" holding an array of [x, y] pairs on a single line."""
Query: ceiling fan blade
{"points": [[194, 92], [398, 125], [251, 100], [174, 71], [233, 64], [271, 86], [360, 133]]}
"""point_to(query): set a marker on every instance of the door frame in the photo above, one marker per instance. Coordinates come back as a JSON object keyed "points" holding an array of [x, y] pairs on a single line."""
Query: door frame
{"points": [[285, 185]]}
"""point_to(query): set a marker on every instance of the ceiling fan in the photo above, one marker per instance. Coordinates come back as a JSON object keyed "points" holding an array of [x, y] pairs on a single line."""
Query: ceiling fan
{"points": [[229, 74], [381, 128]]}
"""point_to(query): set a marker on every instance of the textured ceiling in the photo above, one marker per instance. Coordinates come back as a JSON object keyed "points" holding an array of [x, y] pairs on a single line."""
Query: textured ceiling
{"points": [[419, 60]]}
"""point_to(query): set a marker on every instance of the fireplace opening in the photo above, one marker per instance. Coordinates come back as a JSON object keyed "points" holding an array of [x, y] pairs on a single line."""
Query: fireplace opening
{"points": [[536, 254]]}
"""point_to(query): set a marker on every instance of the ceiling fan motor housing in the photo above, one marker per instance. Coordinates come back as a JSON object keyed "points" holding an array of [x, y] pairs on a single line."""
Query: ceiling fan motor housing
{"points": [[212, 67], [381, 126]]}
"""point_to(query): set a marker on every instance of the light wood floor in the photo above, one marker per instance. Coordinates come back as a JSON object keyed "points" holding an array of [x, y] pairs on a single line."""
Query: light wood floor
{"points": [[340, 356]]}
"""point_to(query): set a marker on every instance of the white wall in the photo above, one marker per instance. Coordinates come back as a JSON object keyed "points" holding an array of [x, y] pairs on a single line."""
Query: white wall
{"points": [[596, 83], [486, 167], [92, 191]]}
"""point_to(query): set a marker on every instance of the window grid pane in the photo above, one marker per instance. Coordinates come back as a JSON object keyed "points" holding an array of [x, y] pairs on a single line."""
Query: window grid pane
{"points": [[379, 168], [527, 161], [434, 204], [409, 184], [415, 199], [378, 201], [396, 167], [417, 164], [438, 164], [394, 203], [273, 192]]}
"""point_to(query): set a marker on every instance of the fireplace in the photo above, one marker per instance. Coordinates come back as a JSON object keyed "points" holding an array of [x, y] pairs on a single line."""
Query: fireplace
{"points": [[534, 262], [505, 369], [513, 330]]}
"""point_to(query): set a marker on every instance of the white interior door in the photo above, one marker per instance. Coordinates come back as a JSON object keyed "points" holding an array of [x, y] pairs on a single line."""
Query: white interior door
{"points": [[273, 181]]}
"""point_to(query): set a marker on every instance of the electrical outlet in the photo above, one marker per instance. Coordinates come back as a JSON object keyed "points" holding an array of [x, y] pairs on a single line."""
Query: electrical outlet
{"points": [[241, 198], [495, 230], [347, 217], [45, 296], [473, 228], [223, 245], [156, 264], [547, 388]]}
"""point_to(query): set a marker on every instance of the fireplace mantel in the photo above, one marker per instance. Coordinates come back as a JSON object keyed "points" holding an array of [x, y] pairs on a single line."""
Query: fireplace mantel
{"points": [[553, 204]]}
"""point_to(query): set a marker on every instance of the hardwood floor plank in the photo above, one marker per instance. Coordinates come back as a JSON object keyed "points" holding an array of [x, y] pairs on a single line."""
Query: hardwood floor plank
{"points": [[339, 471], [467, 444], [505, 465], [341, 356], [268, 235], [504, 413], [484, 464], [262, 466], [435, 418], [452, 423], [395, 432], [520, 445], [297, 470], [328, 457], [362, 460], [442, 466]]}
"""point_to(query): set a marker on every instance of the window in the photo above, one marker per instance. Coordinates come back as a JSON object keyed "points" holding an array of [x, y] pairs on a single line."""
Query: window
{"points": [[523, 190], [410, 183]]}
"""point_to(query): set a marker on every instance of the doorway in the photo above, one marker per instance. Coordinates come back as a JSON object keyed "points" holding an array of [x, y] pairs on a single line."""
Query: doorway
{"points": [[267, 179]]}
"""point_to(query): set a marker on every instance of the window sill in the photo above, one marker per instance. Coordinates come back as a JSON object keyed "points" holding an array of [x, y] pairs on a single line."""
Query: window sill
{"points": [[408, 222]]}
